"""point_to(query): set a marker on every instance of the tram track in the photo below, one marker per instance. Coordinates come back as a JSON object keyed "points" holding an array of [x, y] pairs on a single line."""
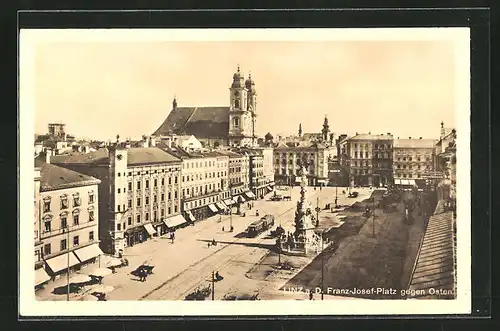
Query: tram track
{"points": [[203, 266]]}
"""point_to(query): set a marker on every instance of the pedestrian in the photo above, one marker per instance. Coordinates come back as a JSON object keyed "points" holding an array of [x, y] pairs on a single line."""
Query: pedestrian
{"points": [[311, 295], [208, 244]]}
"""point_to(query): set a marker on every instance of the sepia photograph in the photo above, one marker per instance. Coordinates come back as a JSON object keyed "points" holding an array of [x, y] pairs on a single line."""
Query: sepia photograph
{"points": [[295, 171]]}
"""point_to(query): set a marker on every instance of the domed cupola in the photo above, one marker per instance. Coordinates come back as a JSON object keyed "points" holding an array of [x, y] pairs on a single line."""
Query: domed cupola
{"points": [[250, 84], [237, 79]]}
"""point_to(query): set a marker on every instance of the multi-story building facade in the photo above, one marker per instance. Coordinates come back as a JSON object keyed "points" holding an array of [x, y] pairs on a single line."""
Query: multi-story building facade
{"points": [[140, 192], [368, 158], [68, 226], [204, 183], [411, 159], [239, 173], [261, 171], [41, 275], [382, 160], [445, 163], [289, 158]]}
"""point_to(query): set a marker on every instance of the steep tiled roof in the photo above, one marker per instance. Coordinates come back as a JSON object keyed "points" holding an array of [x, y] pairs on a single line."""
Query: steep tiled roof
{"points": [[414, 143], [135, 156], [54, 177], [435, 265], [201, 122]]}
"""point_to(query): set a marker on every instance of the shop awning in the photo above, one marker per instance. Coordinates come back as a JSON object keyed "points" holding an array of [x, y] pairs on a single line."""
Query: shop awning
{"points": [[149, 228], [298, 179], [87, 253], [60, 262], [269, 188], [191, 216], [213, 208], [41, 276], [221, 205], [174, 221], [250, 194], [228, 202], [240, 198]]}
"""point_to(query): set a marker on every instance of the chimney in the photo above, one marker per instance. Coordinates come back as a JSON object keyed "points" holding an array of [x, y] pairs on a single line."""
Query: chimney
{"points": [[48, 154], [420, 138], [409, 137], [388, 133], [153, 142]]}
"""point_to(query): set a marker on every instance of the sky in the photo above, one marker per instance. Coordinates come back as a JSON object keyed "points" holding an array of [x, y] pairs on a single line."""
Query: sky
{"points": [[101, 89]]}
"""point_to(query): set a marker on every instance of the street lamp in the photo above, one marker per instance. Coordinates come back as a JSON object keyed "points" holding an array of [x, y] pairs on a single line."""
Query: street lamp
{"points": [[213, 285], [317, 211], [322, 263]]}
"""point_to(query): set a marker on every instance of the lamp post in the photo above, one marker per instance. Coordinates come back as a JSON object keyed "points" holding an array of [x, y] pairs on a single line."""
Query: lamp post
{"points": [[317, 211], [213, 286]]}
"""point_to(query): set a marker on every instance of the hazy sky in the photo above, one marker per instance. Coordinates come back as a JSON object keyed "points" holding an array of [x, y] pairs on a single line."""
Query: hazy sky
{"points": [[103, 89]]}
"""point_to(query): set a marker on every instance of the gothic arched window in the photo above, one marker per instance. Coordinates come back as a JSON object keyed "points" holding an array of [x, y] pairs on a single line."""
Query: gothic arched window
{"points": [[236, 103], [236, 122]]}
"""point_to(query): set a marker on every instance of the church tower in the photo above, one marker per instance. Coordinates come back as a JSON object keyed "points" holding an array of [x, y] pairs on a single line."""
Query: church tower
{"points": [[326, 129], [241, 121], [252, 105]]}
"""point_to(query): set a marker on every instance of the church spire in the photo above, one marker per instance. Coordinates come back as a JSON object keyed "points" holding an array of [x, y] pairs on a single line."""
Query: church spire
{"points": [[174, 103], [326, 129]]}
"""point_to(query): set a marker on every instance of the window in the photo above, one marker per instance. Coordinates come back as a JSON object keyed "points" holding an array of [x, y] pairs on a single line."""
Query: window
{"points": [[76, 240], [91, 236], [130, 186], [130, 203], [155, 199], [170, 180], [47, 249], [175, 209], [119, 190], [138, 218], [138, 202], [147, 183], [64, 221], [155, 216], [366, 154], [138, 185], [64, 201], [236, 120], [129, 221], [91, 197], [64, 245], [47, 221], [76, 217], [170, 195], [162, 212], [163, 197], [169, 210], [46, 204], [376, 146], [147, 216], [155, 182], [76, 200], [162, 181], [147, 201], [119, 208]]}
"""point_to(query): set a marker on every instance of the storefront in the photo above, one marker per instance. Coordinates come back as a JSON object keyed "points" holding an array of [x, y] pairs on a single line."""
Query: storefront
{"points": [[41, 277], [150, 230], [213, 209], [135, 235], [190, 216], [160, 227], [250, 195]]}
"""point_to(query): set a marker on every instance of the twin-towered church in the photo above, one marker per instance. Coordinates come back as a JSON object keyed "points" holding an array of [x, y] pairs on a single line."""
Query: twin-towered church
{"points": [[233, 125]]}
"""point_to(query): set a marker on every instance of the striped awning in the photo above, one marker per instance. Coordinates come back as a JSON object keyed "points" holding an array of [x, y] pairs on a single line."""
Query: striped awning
{"points": [[191, 216], [229, 202], [240, 198]]}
